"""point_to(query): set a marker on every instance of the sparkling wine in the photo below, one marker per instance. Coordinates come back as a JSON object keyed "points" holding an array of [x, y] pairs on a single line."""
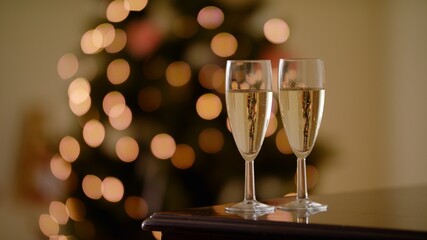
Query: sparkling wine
{"points": [[302, 111], [249, 113]]}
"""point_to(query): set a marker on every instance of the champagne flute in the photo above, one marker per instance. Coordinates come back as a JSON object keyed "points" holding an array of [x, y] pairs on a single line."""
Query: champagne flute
{"points": [[248, 98], [301, 101]]}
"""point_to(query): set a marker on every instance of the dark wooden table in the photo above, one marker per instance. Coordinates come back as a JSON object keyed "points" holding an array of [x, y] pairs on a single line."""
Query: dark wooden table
{"points": [[384, 214]]}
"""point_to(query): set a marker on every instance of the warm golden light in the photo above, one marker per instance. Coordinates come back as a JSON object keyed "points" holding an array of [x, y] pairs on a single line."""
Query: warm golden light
{"points": [[208, 106], [218, 80], [149, 99], [135, 5], [67, 66], [79, 90], [163, 146], [210, 17], [312, 176], [178, 73], [276, 30], [157, 235], [76, 209], [48, 225], [112, 189], [58, 211], [272, 126], [93, 133], [79, 109], [122, 121], [224, 44], [107, 34], [211, 140], [282, 143], [113, 104], [206, 75], [136, 207], [116, 11], [185, 27], [69, 148], [91, 186], [60, 168], [118, 71], [91, 42], [183, 157], [119, 42], [127, 149]]}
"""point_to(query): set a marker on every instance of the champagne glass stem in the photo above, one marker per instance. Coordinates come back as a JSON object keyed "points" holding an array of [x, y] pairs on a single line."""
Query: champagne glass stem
{"points": [[301, 179], [249, 181]]}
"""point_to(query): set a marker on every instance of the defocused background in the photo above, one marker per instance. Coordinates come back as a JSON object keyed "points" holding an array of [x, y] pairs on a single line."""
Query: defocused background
{"points": [[112, 110]]}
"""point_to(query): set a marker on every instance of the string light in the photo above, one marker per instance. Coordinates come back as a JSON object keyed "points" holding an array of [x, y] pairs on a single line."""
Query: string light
{"points": [[112, 189], [208, 106], [224, 44], [276, 30]]}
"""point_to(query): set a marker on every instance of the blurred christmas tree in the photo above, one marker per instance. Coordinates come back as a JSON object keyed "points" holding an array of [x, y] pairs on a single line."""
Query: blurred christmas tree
{"points": [[148, 92]]}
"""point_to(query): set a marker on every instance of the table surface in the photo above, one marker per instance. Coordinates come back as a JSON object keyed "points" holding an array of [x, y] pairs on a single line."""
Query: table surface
{"points": [[381, 214]]}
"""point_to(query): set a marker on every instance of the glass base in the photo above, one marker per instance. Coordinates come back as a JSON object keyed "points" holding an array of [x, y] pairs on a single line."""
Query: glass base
{"points": [[250, 206], [303, 205]]}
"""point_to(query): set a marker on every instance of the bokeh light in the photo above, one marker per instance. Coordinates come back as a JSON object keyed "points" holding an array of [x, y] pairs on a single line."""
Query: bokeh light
{"points": [[218, 80], [208, 106], [282, 142], [118, 71], [107, 34], [127, 149], [67, 66], [119, 42], [69, 148], [93, 133], [113, 104], [59, 212], [272, 126], [276, 30], [116, 11], [312, 176], [112, 189], [60, 168], [178, 73], [135, 5], [206, 75], [48, 225], [76, 209], [91, 42], [79, 90], [91, 186], [211, 140], [224, 44], [79, 109], [163, 146], [157, 235], [136, 207], [123, 120], [183, 157], [210, 17], [149, 99]]}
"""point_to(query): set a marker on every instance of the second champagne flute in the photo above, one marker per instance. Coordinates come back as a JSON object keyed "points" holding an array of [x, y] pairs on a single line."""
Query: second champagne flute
{"points": [[248, 98], [301, 100]]}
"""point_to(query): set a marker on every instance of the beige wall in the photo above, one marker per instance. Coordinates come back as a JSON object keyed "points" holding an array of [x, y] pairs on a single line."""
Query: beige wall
{"points": [[33, 36]]}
